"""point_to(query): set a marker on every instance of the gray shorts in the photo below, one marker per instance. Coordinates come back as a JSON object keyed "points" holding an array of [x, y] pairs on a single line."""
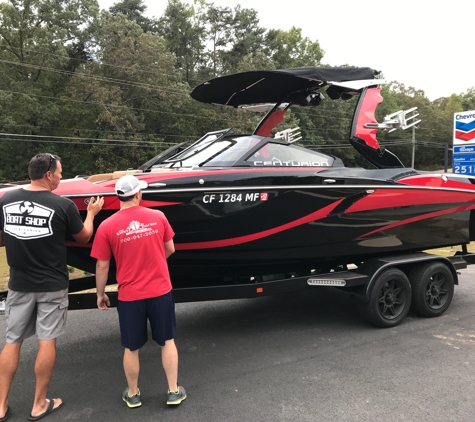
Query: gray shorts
{"points": [[43, 313]]}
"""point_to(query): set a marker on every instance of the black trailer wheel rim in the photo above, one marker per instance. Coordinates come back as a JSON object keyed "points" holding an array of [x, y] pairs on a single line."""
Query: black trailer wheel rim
{"points": [[392, 299], [436, 294]]}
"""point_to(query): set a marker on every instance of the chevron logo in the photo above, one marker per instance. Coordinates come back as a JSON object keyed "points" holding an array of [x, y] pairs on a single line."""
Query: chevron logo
{"points": [[465, 131]]}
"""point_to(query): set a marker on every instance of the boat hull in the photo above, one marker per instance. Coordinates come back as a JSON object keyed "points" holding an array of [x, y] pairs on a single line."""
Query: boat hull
{"points": [[255, 230]]}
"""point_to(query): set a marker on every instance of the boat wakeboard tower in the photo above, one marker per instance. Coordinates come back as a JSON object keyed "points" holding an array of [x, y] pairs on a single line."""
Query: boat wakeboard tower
{"points": [[365, 127], [304, 87]]}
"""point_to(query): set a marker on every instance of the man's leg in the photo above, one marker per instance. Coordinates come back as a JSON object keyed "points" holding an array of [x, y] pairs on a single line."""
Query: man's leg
{"points": [[9, 359], [44, 365], [132, 370], [170, 364]]}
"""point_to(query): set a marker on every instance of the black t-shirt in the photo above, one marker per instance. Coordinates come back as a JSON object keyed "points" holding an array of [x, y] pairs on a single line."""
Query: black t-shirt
{"points": [[35, 224]]}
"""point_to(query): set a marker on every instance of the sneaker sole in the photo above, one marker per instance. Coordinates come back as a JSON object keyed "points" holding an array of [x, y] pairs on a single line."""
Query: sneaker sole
{"points": [[174, 403], [132, 405]]}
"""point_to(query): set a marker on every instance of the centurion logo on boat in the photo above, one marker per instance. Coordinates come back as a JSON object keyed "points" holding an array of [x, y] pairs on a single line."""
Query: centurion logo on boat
{"points": [[464, 127], [279, 163]]}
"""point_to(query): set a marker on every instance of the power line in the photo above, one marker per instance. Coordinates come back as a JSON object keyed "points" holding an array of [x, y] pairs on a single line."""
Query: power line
{"points": [[39, 52], [94, 77], [99, 103], [99, 130], [162, 145], [327, 145], [41, 141], [84, 139]]}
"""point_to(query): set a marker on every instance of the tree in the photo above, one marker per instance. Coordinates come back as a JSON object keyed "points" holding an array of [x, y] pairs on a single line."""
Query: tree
{"points": [[38, 41], [289, 49], [219, 23], [126, 95], [134, 10], [185, 34], [468, 100], [255, 61], [432, 133], [245, 38]]}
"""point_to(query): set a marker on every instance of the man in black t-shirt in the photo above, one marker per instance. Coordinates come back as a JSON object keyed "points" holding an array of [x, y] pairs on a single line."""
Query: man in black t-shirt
{"points": [[33, 226]]}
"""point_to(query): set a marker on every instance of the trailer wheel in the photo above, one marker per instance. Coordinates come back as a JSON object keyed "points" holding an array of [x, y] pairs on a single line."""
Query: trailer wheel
{"points": [[432, 289], [389, 299]]}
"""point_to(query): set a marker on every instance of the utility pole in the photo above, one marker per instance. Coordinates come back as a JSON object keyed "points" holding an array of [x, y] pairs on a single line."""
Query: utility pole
{"points": [[446, 157], [413, 144]]}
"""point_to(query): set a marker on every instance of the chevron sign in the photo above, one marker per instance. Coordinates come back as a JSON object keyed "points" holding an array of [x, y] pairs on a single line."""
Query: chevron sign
{"points": [[464, 127]]}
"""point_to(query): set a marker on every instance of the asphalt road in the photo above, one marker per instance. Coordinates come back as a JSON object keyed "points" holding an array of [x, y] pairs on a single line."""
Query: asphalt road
{"points": [[297, 357]]}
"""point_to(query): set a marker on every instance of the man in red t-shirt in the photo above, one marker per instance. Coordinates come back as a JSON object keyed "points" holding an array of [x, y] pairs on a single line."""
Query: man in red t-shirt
{"points": [[140, 240]]}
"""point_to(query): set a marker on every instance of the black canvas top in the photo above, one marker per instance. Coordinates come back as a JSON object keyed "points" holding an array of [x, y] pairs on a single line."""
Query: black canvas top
{"points": [[274, 86]]}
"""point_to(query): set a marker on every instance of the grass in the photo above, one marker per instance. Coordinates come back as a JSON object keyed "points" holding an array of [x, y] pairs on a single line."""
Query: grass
{"points": [[4, 270]]}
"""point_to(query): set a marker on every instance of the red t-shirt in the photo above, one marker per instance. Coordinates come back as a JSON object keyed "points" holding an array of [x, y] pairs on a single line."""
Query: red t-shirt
{"points": [[135, 237]]}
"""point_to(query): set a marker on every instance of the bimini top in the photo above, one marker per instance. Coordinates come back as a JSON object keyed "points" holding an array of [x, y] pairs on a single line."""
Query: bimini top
{"points": [[274, 86]]}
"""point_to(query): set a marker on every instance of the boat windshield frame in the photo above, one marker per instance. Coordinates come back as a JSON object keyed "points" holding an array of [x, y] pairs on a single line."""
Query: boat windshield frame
{"points": [[198, 146], [219, 149]]}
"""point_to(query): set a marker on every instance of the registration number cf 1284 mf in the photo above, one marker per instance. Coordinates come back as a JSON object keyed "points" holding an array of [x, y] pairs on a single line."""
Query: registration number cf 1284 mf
{"points": [[235, 197]]}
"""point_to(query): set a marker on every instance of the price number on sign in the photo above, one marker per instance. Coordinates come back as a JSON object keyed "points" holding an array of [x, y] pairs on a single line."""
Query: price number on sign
{"points": [[464, 169]]}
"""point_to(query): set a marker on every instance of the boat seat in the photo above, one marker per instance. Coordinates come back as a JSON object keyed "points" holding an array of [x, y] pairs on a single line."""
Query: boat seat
{"points": [[100, 177], [110, 176], [118, 174], [159, 170]]}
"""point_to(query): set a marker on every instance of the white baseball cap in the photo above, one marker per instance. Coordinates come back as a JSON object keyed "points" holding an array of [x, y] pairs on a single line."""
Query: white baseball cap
{"points": [[129, 185]]}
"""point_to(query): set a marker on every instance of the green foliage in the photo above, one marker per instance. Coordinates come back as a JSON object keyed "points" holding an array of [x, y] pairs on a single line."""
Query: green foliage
{"points": [[107, 90], [245, 38], [468, 100], [38, 43], [290, 49], [431, 135], [134, 10], [185, 34]]}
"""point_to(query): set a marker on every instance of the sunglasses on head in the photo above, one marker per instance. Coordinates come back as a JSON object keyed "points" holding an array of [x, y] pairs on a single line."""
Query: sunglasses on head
{"points": [[52, 159]]}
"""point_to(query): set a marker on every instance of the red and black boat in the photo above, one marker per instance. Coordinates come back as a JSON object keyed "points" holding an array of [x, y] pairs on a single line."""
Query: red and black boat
{"points": [[252, 207]]}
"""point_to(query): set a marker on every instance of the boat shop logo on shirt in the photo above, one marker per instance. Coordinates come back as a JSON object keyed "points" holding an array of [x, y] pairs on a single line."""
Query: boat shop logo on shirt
{"points": [[136, 230], [27, 220]]}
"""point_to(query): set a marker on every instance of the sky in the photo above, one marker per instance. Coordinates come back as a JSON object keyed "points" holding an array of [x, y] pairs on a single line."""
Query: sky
{"points": [[418, 43]]}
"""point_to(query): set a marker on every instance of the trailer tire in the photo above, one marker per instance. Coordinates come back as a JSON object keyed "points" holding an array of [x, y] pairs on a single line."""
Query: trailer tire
{"points": [[389, 299], [432, 289]]}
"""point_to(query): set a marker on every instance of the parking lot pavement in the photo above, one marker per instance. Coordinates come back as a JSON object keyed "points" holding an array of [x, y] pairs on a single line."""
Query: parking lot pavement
{"points": [[306, 356]]}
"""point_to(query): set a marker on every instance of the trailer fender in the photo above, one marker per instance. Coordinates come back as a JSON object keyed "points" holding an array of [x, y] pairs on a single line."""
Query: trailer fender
{"points": [[374, 266]]}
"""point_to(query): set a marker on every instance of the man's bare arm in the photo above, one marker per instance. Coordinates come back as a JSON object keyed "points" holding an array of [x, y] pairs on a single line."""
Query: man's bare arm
{"points": [[102, 272], [93, 207], [169, 248]]}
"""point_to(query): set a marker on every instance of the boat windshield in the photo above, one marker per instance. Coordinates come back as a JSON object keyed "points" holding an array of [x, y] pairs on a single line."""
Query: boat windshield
{"points": [[199, 154], [256, 151], [237, 150], [196, 148], [278, 154], [249, 151]]}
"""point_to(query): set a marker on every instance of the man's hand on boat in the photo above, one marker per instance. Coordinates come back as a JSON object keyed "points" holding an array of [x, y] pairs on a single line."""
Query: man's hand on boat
{"points": [[95, 205]]}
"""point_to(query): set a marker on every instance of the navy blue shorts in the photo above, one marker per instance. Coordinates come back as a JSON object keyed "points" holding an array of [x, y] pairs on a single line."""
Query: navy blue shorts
{"points": [[133, 316]]}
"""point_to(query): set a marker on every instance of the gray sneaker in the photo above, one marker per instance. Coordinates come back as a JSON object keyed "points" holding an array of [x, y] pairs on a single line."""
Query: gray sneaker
{"points": [[131, 401], [176, 397]]}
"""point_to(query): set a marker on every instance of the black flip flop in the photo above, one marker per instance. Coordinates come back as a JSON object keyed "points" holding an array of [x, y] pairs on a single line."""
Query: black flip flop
{"points": [[49, 410], [5, 416]]}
